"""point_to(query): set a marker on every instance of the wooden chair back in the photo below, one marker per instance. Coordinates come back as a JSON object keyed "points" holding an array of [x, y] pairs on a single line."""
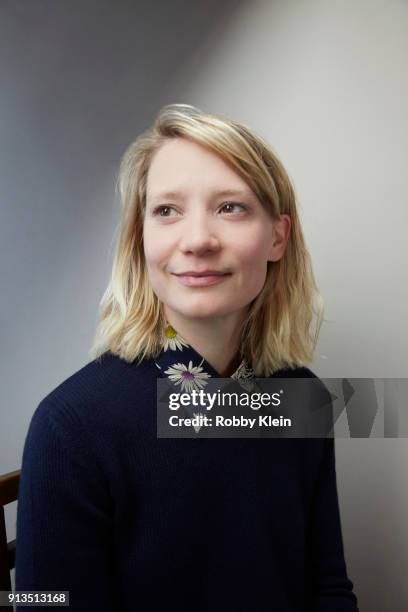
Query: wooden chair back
{"points": [[8, 493]]}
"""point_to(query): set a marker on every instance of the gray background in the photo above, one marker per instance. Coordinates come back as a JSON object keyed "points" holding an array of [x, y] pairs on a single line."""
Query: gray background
{"points": [[326, 83]]}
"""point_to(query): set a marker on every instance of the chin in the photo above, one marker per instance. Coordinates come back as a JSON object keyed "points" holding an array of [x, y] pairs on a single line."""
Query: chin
{"points": [[202, 311]]}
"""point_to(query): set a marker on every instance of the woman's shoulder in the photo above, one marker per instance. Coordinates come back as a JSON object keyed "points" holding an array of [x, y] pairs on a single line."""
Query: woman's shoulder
{"points": [[304, 372], [316, 386], [97, 387], [86, 418], [296, 372]]}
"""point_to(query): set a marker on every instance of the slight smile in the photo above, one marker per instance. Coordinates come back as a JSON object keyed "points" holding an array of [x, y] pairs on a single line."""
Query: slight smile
{"points": [[202, 280]]}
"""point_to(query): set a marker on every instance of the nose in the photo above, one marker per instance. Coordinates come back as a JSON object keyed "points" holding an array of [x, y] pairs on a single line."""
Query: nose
{"points": [[199, 234]]}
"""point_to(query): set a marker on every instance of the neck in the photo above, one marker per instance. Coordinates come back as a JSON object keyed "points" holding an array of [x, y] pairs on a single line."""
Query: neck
{"points": [[217, 339]]}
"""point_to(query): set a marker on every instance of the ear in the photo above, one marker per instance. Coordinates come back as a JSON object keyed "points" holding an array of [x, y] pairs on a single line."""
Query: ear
{"points": [[280, 234]]}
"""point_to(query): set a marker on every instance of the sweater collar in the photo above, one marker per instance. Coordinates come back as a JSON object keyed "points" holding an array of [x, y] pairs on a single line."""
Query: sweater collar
{"points": [[184, 366]]}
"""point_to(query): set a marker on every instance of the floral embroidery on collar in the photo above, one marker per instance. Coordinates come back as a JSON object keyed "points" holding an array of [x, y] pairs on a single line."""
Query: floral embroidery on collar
{"points": [[190, 378], [172, 340], [244, 374], [188, 375]]}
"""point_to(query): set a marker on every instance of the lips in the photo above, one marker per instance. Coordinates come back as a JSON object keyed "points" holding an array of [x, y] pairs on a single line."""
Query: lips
{"points": [[190, 279], [204, 273]]}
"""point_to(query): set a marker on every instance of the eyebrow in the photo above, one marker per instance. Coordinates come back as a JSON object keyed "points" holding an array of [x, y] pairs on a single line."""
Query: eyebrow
{"points": [[219, 192]]}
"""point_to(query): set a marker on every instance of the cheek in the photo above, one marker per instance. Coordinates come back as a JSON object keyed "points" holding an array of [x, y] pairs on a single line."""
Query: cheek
{"points": [[251, 257], [156, 248], [150, 253], [252, 250]]}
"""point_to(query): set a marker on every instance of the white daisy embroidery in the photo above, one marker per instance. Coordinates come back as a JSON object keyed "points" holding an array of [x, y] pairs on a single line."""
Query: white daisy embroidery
{"points": [[243, 371], [245, 375], [190, 378], [172, 339]]}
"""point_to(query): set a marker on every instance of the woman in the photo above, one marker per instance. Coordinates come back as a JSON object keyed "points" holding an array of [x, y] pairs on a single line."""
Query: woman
{"points": [[211, 278]]}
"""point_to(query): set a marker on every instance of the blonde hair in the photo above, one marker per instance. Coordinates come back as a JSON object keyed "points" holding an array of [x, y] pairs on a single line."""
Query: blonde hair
{"points": [[283, 321]]}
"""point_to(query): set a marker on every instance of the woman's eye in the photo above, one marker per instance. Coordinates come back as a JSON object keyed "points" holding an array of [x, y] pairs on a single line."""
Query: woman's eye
{"points": [[164, 209], [232, 204], [159, 209]]}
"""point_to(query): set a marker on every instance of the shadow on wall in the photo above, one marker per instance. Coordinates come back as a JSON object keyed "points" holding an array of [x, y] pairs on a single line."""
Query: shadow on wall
{"points": [[79, 86]]}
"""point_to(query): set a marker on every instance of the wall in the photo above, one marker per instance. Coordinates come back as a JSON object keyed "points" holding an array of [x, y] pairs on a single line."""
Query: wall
{"points": [[325, 82]]}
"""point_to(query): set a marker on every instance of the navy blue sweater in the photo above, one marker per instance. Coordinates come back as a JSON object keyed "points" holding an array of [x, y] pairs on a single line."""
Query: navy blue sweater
{"points": [[127, 521]]}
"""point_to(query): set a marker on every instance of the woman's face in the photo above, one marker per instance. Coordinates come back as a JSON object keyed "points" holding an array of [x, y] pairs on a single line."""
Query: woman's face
{"points": [[199, 229]]}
